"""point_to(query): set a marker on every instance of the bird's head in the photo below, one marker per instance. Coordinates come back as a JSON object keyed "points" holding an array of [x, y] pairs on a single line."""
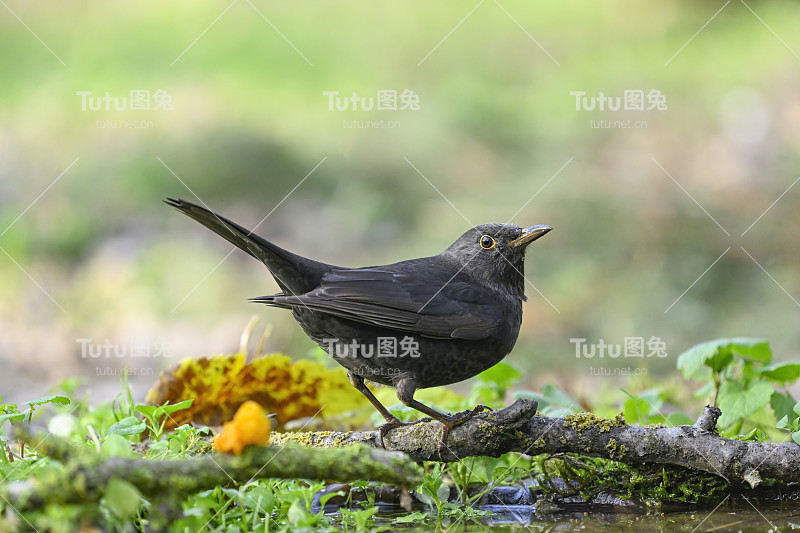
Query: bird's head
{"points": [[495, 253]]}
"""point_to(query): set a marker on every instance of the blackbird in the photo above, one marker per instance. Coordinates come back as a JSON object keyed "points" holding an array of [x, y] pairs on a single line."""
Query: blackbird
{"points": [[410, 325]]}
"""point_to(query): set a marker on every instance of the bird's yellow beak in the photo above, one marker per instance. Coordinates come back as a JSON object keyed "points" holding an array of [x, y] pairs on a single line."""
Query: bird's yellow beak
{"points": [[529, 235]]}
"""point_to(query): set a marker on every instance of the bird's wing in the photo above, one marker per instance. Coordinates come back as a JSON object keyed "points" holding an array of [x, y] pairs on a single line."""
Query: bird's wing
{"points": [[439, 308]]}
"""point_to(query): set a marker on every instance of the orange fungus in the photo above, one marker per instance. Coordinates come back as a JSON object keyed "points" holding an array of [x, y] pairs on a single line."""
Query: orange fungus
{"points": [[249, 426]]}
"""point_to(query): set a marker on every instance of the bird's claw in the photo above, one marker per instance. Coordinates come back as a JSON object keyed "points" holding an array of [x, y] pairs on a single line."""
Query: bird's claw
{"points": [[463, 416], [456, 420], [392, 424]]}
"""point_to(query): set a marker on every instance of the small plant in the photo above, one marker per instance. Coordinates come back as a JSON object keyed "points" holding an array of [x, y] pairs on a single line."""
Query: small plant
{"points": [[155, 418], [552, 400], [361, 520], [645, 408], [434, 492], [181, 441], [412, 518], [794, 425], [492, 384], [257, 499], [740, 379], [10, 411]]}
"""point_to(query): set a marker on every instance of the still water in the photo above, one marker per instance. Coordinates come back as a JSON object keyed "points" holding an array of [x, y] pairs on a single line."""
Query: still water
{"points": [[731, 516]]}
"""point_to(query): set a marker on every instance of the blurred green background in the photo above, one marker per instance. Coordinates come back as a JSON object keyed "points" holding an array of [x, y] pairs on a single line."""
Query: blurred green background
{"points": [[90, 252]]}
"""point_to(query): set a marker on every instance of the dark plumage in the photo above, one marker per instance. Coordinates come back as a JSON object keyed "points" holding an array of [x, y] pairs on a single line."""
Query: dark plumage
{"points": [[461, 309]]}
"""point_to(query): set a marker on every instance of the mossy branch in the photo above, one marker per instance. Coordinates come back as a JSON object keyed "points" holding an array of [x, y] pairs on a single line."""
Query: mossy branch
{"points": [[85, 474], [517, 428]]}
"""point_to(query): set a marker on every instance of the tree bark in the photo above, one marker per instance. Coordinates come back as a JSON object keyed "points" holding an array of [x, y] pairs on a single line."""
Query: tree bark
{"points": [[517, 428]]}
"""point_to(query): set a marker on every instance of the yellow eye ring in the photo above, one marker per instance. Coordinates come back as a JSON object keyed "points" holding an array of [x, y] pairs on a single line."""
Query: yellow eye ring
{"points": [[487, 242]]}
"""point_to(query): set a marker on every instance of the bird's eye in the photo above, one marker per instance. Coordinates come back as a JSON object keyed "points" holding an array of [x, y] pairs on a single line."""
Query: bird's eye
{"points": [[487, 242]]}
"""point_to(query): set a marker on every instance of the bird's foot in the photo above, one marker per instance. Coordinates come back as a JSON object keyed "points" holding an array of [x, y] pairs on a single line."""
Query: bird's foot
{"points": [[395, 423], [456, 420]]}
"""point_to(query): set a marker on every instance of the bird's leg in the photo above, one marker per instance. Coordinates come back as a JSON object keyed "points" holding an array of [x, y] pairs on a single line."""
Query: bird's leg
{"points": [[358, 382], [391, 420], [405, 393]]}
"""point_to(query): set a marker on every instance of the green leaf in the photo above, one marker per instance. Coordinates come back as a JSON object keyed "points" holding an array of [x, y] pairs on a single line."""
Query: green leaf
{"points": [[755, 435], [423, 496], [782, 404], [796, 437], [57, 398], [297, 515], [484, 393], [737, 402], [169, 409], [360, 519], [117, 446], [783, 423], [13, 417], [128, 426], [410, 518], [260, 499], [156, 412], [443, 492], [158, 450], [721, 359], [482, 470], [796, 408], [782, 372], [753, 349], [679, 419], [553, 401], [501, 376], [122, 498], [323, 499], [428, 492], [717, 354], [147, 410], [690, 361], [635, 410]]}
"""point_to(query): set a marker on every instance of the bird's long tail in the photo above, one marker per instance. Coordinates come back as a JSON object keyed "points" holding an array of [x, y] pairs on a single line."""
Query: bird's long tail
{"points": [[227, 229], [294, 273]]}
